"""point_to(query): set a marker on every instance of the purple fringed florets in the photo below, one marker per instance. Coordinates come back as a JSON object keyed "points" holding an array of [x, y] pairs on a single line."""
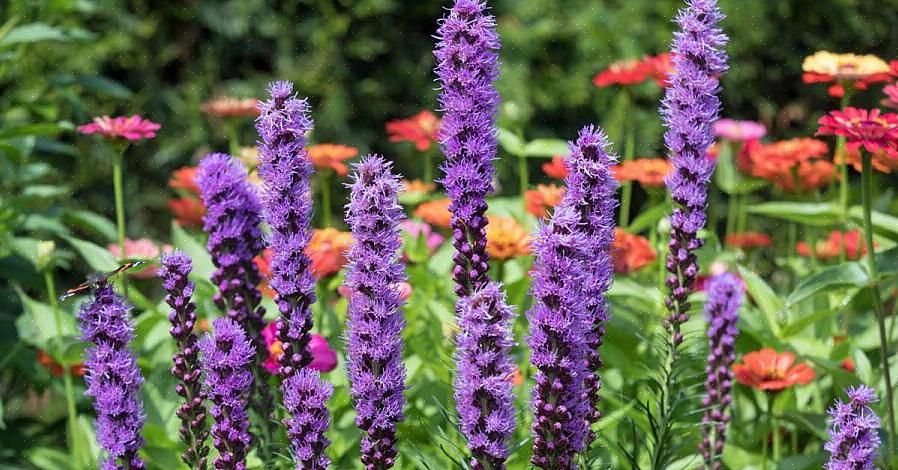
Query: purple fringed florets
{"points": [[690, 106], [854, 432], [592, 192], [721, 312], [467, 66], [374, 317], [226, 359], [559, 341], [113, 378], [305, 398], [179, 291], [282, 125], [483, 385]]}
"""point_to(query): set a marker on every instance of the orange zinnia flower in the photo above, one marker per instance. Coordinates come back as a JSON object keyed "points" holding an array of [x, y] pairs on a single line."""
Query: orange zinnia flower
{"points": [[421, 129], [855, 247], [417, 186], [184, 178], [783, 162], [624, 72], [331, 156], [649, 172], [55, 368], [882, 161], [231, 107], [768, 370], [630, 252], [188, 211], [327, 250], [539, 200], [555, 168], [435, 212], [263, 262], [748, 240], [505, 238]]}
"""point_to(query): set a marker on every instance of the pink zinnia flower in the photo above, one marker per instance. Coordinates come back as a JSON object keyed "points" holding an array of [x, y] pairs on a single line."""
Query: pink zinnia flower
{"points": [[863, 127], [140, 249], [122, 127], [739, 131], [417, 229], [324, 359], [891, 99]]}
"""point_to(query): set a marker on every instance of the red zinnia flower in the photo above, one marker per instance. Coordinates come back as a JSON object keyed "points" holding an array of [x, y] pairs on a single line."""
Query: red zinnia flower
{"points": [[539, 200], [660, 67], [748, 240], [188, 211], [421, 129], [855, 247], [185, 178], [785, 161], [555, 168], [881, 161], [624, 72], [868, 128], [848, 364], [435, 212], [327, 251], [231, 107], [55, 368], [122, 127], [630, 252], [331, 156], [768, 370]]}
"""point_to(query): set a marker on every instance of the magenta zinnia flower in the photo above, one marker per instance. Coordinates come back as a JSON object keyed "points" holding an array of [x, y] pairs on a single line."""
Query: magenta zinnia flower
{"points": [[122, 127], [863, 127], [739, 131]]}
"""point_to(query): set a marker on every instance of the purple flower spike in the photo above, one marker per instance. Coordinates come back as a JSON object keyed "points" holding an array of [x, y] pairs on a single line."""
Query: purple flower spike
{"points": [[305, 398], [592, 192], [467, 66], [559, 343], [725, 297], [226, 358], [179, 291], [483, 385], [854, 432], [113, 378], [690, 107], [374, 318], [286, 170]]}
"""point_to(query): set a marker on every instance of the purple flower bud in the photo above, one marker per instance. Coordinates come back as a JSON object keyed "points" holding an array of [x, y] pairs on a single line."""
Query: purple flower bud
{"points": [[854, 431], [113, 378]]}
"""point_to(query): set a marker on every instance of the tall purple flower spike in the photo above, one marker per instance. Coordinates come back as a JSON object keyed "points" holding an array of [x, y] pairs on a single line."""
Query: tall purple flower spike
{"points": [[467, 66], [282, 125], [854, 432], [192, 412], [374, 318], [113, 378], [232, 220], [227, 356], [483, 386], [690, 106], [559, 341], [592, 192], [725, 297]]}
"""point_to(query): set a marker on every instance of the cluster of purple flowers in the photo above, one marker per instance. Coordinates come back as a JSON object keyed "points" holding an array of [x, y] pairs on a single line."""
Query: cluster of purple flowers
{"points": [[721, 313], [854, 432]]}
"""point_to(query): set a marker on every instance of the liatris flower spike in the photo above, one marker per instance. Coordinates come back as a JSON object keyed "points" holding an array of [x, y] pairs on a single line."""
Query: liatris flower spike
{"points": [[483, 391], [287, 197], [113, 378], [192, 412], [305, 398], [226, 358], [854, 431], [559, 342], [721, 313], [467, 66], [690, 107], [374, 317]]}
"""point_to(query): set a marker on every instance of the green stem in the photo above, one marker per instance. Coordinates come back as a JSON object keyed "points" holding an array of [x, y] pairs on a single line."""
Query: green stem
{"points": [[324, 182], [732, 213], [867, 187], [233, 137], [523, 176], [843, 181], [627, 191], [66, 373], [777, 445], [428, 167], [120, 207]]}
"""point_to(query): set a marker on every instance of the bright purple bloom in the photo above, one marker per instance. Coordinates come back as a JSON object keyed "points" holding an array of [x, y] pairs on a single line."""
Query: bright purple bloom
{"points": [[483, 386], [374, 318], [854, 432], [227, 357], [282, 125], [690, 106], [467, 66], [121, 127], [559, 342], [113, 378], [305, 398], [725, 296], [739, 131], [179, 292], [592, 192]]}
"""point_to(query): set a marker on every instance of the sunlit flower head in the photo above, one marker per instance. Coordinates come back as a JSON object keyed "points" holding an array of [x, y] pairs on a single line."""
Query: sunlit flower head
{"points": [[824, 66], [185, 179], [188, 211], [555, 168], [739, 131], [417, 187], [435, 212], [506, 238], [649, 172], [881, 160], [420, 129], [539, 200], [122, 127], [861, 127], [747, 240], [140, 249], [327, 250], [831, 247], [631, 252], [771, 371], [331, 156], [231, 107]]}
